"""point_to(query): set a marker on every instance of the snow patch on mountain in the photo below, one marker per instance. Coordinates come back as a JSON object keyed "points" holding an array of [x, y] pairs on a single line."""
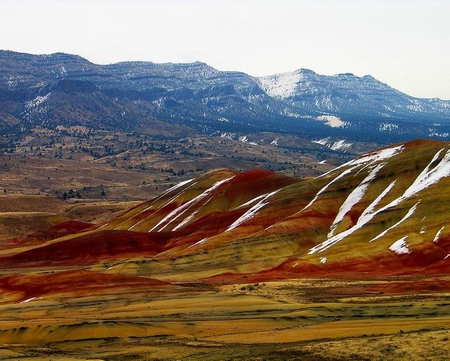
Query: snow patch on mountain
{"points": [[425, 179], [323, 141], [281, 86], [185, 221], [369, 212], [251, 201], [36, 101], [435, 133], [415, 106], [331, 120], [340, 145], [290, 113], [388, 127], [176, 186], [228, 135]]}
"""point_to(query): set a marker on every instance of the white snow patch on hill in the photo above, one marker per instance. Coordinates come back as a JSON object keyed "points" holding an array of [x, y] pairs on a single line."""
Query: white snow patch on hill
{"points": [[428, 176], [323, 189], [251, 212], [400, 246], [370, 158], [31, 299], [354, 197], [323, 141], [367, 215], [176, 213], [407, 215], [438, 234], [333, 145], [340, 144], [425, 179], [378, 156], [198, 243]]}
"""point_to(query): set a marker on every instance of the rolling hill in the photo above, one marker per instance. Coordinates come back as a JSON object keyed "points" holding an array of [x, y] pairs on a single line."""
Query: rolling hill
{"points": [[382, 213]]}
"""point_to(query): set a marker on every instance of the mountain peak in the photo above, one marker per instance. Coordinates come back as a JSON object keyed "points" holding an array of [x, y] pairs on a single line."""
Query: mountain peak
{"points": [[305, 71]]}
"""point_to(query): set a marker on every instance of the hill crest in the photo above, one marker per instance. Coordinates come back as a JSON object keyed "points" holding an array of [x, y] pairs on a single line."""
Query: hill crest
{"points": [[382, 213]]}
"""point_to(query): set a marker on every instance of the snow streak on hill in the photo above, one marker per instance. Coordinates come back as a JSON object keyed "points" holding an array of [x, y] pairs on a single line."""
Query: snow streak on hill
{"points": [[386, 211]]}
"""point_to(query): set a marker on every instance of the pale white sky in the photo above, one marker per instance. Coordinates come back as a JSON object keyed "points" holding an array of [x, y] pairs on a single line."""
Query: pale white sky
{"points": [[404, 43]]}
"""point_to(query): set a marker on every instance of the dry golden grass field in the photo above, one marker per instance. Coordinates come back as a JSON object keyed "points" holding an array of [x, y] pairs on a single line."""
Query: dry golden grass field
{"points": [[303, 319]]}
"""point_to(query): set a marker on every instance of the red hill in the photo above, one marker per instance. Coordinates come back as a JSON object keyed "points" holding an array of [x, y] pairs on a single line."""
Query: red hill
{"points": [[385, 212]]}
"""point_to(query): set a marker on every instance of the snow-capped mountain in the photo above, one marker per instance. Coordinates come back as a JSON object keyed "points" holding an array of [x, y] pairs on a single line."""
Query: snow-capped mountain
{"points": [[48, 90], [354, 99]]}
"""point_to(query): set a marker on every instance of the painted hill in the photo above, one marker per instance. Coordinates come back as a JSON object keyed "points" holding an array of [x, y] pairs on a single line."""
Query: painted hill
{"points": [[385, 212], [231, 264]]}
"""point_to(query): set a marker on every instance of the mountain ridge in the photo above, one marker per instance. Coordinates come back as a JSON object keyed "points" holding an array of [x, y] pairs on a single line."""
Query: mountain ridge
{"points": [[61, 57], [199, 96]]}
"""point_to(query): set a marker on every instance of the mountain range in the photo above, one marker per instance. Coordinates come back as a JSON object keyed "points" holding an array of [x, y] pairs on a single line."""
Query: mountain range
{"points": [[61, 89], [383, 213]]}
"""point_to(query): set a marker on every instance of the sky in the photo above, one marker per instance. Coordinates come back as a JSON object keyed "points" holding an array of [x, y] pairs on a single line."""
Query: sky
{"points": [[403, 43]]}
